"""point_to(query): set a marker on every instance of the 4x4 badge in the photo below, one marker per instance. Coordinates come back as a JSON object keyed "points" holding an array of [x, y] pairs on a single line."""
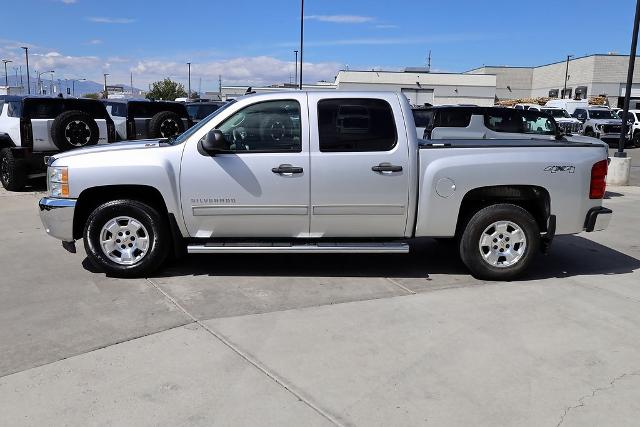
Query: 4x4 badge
{"points": [[556, 169]]}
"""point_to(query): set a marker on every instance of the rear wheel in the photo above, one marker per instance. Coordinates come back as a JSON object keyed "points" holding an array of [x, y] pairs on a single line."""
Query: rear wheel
{"points": [[165, 125], [126, 238], [499, 242], [13, 172]]}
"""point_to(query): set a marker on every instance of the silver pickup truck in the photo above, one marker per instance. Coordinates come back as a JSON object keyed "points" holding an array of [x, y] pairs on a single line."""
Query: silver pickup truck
{"points": [[322, 172]]}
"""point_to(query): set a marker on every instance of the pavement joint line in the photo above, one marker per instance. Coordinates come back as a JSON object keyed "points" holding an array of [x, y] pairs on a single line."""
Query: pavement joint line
{"points": [[102, 347], [250, 359], [401, 286]]}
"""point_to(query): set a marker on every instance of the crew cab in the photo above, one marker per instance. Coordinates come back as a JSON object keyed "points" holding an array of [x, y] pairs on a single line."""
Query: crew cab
{"points": [[322, 172], [141, 119], [33, 127]]}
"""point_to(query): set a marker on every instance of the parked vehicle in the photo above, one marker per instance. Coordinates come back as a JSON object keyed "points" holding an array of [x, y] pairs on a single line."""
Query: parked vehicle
{"points": [[534, 107], [634, 125], [32, 128], [566, 123], [142, 119], [601, 123], [459, 122], [278, 173], [199, 110], [422, 117], [568, 104]]}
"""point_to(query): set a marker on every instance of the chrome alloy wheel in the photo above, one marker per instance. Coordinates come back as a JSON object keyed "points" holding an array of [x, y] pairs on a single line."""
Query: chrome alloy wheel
{"points": [[502, 244], [77, 133], [124, 240]]}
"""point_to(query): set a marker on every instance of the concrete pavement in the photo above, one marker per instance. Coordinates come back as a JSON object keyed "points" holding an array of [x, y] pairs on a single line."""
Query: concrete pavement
{"points": [[321, 340]]}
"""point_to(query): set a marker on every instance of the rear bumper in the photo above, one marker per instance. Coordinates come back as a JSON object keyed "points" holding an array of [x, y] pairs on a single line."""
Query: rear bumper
{"points": [[57, 217], [597, 219]]}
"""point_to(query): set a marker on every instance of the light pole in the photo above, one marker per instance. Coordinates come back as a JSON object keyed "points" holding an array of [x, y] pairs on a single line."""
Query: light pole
{"points": [[39, 81], [627, 93], [566, 76], [26, 55], [296, 53], [301, 37], [105, 95], [15, 69], [189, 93], [6, 78], [73, 85], [21, 82]]}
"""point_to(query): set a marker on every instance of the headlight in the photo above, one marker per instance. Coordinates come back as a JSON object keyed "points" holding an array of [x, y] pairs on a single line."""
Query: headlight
{"points": [[58, 181]]}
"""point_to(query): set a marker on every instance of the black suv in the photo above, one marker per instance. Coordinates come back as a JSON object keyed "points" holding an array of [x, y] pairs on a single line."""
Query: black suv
{"points": [[199, 110], [33, 127], [142, 119]]}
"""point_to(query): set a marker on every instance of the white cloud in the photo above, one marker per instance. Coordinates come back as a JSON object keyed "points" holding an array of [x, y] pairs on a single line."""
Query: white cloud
{"points": [[383, 41], [69, 1], [94, 41], [105, 20], [386, 26], [341, 19]]}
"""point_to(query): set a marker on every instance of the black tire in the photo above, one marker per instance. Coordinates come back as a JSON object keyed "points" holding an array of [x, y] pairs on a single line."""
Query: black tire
{"points": [[13, 172], [589, 132], [635, 141], [471, 252], [74, 129], [165, 124], [159, 238]]}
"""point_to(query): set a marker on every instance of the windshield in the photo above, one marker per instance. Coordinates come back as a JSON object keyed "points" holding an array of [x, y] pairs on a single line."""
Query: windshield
{"points": [[602, 114], [184, 136], [557, 113]]}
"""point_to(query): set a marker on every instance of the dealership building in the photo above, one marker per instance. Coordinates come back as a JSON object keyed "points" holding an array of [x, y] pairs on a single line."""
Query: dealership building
{"points": [[592, 75]]}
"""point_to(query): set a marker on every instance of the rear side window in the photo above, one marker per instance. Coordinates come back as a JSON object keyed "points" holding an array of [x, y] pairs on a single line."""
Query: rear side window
{"points": [[14, 109], [148, 109], [504, 121], [453, 118], [355, 125], [117, 109], [43, 108]]}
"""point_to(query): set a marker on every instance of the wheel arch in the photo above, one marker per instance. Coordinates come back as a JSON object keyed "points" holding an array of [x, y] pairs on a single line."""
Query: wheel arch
{"points": [[534, 199]]}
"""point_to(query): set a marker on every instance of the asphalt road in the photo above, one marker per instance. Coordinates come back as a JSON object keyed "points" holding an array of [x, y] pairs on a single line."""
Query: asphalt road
{"points": [[321, 339]]}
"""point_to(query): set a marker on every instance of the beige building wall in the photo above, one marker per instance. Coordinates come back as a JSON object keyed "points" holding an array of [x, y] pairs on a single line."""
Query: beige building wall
{"points": [[511, 82]]}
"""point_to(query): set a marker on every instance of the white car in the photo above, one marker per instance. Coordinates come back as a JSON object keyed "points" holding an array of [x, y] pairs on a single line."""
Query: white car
{"points": [[634, 124], [566, 123]]}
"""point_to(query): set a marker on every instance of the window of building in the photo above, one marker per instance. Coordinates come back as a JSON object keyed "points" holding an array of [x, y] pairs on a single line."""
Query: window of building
{"points": [[553, 93], [356, 125]]}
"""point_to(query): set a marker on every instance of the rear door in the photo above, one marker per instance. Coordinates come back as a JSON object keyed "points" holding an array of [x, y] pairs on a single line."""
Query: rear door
{"points": [[359, 166]]}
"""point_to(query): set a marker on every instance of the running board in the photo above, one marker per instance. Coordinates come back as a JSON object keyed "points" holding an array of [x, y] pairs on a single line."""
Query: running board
{"points": [[292, 248]]}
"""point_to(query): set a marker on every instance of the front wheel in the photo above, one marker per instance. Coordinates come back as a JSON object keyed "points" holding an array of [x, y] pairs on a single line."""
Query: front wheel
{"points": [[126, 238], [13, 173], [499, 242]]}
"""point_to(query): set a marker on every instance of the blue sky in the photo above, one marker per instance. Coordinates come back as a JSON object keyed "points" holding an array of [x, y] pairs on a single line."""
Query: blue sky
{"points": [[253, 41]]}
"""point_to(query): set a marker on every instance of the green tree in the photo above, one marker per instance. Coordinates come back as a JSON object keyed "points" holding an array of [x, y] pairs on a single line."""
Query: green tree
{"points": [[167, 90], [92, 95]]}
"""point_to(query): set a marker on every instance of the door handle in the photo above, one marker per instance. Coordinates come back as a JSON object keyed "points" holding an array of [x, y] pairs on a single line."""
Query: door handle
{"points": [[287, 169], [386, 167]]}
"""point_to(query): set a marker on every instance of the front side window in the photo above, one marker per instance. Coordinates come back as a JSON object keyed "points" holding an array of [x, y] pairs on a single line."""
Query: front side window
{"points": [[271, 126], [356, 125]]}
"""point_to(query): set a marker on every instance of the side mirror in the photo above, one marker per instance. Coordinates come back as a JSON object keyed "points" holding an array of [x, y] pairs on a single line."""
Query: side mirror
{"points": [[213, 142]]}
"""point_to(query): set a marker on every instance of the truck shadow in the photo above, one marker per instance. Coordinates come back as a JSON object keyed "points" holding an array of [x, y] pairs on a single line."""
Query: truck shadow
{"points": [[569, 256]]}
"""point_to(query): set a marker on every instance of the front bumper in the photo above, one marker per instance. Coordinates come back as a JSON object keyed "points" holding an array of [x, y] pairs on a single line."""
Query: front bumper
{"points": [[597, 219], [57, 217]]}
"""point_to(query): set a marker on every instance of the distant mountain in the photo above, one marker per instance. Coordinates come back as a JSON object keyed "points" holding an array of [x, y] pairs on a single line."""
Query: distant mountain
{"points": [[81, 88]]}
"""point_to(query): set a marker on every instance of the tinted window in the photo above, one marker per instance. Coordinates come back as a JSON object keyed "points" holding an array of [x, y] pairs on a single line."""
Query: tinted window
{"points": [[454, 118], [504, 120], [193, 111], [602, 114], [556, 113], [356, 125], [117, 109], [148, 109], [14, 109], [43, 108], [579, 112], [204, 110], [272, 126], [422, 118]]}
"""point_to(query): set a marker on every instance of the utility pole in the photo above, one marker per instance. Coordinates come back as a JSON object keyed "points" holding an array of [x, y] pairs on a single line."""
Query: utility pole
{"points": [[131, 82], [189, 90], [220, 85], [106, 94], [627, 93], [21, 82], [6, 77], [301, 37], [566, 76], [26, 55], [73, 85], [296, 52], [429, 62]]}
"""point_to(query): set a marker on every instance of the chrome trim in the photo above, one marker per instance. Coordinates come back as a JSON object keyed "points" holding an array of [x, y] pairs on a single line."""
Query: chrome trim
{"points": [[321, 248], [358, 210], [249, 210], [57, 217]]}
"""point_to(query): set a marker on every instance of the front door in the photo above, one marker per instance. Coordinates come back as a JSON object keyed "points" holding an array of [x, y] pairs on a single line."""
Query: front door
{"points": [[260, 188], [359, 166]]}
